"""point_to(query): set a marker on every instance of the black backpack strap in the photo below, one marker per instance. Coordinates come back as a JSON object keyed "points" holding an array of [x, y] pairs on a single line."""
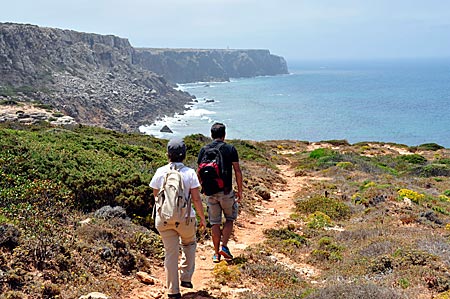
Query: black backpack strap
{"points": [[219, 145]]}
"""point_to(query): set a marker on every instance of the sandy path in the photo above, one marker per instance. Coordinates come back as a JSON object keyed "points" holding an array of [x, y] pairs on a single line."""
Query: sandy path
{"points": [[247, 231]]}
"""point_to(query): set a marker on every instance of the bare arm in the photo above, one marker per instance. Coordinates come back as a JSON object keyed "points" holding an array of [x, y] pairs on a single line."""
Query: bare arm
{"points": [[238, 174], [197, 201]]}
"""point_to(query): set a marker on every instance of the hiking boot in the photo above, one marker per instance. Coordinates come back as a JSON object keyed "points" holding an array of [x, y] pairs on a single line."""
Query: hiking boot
{"points": [[225, 252], [177, 296], [216, 258], [187, 284]]}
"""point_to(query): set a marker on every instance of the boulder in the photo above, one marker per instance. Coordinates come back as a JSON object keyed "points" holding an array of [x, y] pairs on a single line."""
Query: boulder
{"points": [[107, 212], [95, 295], [145, 278], [9, 236], [166, 129], [262, 191]]}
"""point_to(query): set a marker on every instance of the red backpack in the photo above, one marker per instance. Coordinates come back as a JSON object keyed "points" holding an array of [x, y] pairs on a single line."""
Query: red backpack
{"points": [[211, 170]]}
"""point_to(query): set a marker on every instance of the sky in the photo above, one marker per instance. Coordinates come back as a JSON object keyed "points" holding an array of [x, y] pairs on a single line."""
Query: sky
{"points": [[294, 29]]}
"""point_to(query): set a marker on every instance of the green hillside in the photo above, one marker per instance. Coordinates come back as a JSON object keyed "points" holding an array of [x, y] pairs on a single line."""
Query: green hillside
{"points": [[377, 220]]}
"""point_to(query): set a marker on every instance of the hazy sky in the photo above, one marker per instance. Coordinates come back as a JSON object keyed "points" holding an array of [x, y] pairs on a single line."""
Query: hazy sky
{"points": [[294, 29]]}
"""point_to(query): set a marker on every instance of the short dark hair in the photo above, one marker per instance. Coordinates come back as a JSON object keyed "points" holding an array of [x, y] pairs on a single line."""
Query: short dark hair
{"points": [[217, 130], [176, 150], [174, 157]]}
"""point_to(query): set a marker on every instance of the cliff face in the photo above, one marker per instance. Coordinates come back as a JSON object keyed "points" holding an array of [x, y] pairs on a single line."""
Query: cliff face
{"points": [[192, 65], [90, 77], [102, 80]]}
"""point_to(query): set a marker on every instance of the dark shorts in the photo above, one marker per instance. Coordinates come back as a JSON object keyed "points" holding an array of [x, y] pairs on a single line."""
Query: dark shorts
{"points": [[220, 203]]}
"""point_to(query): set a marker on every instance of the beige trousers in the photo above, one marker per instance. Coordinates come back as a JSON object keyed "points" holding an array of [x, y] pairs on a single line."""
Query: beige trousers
{"points": [[174, 237]]}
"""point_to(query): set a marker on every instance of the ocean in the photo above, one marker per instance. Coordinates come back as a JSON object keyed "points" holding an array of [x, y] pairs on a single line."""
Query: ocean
{"points": [[399, 101]]}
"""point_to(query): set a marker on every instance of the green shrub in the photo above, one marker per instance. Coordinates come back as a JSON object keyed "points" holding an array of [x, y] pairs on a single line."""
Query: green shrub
{"points": [[7, 91], [252, 151], [43, 106], [441, 210], [318, 220], [285, 240], [443, 161], [413, 258], [9, 102], [327, 244], [226, 274], [320, 153], [413, 159], [404, 283], [320, 255], [3, 218], [431, 170], [327, 250], [337, 142], [98, 166], [430, 147], [334, 208]]}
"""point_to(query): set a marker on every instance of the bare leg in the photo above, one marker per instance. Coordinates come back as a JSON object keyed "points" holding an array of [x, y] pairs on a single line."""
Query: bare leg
{"points": [[216, 234], [226, 232]]}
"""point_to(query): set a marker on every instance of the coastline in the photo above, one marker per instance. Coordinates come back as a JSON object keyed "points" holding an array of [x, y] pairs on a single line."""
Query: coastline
{"points": [[359, 103], [180, 123], [211, 102]]}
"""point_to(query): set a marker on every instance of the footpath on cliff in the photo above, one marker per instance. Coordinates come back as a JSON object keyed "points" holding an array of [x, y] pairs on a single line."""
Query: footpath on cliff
{"points": [[248, 231]]}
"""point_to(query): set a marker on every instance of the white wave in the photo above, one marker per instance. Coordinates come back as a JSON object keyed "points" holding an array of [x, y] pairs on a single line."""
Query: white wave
{"points": [[198, 112], [201, 84], [194, 120]]}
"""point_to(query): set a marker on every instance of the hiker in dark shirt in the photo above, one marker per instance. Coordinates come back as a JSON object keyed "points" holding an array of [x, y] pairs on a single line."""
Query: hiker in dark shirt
{"points": [[223, 202]]}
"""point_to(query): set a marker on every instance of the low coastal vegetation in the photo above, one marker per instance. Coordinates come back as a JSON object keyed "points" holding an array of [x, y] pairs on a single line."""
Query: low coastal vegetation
{"points": [[75, 204], [373, 224]]}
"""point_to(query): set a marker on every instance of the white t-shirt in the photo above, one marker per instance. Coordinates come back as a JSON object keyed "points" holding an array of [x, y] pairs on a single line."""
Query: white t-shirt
{"points": [[190, 179]]}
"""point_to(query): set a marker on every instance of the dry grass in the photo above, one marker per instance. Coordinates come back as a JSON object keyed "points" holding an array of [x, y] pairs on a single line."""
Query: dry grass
{"points": [[386, 246]]}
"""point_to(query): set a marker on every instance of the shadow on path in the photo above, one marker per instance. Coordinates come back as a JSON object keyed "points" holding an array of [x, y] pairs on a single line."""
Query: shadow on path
{"points": [[198, 295]]}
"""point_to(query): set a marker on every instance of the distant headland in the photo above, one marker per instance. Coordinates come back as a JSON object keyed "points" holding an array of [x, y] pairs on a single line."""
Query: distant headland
{"points": [[102, 80]]}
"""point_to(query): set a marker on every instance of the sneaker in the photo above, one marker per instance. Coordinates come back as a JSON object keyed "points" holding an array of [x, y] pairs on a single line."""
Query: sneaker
{"points": [[187, 284], [225, 252], [216, 258]]}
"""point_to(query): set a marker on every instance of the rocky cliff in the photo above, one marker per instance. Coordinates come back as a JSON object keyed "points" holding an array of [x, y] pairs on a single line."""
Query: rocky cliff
{"points": [[90, 77], [102, 80], [203, 65]]}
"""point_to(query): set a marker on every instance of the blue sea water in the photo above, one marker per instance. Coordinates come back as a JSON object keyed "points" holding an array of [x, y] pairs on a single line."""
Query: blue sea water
{"points": [[402, 101]]}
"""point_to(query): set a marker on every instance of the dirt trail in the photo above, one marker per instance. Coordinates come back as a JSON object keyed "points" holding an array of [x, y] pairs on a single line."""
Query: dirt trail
{"points": [[247, 231]]}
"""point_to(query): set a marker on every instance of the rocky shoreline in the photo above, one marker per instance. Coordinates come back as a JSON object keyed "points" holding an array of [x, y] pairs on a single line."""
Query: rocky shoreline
{"points": [[101, 80]]}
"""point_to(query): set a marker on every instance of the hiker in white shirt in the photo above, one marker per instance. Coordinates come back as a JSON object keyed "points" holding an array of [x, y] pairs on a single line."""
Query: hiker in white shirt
{"points": [[183, 233]]}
